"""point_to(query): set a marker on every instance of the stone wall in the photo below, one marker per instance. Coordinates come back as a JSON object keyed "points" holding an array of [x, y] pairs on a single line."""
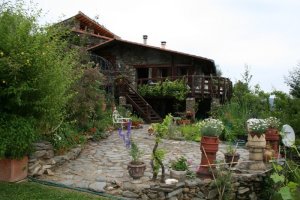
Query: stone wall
{"points": [[43, 161], [244, 186]]}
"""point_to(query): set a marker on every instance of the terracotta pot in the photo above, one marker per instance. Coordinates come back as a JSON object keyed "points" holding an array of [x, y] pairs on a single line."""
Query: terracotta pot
{"points": [[272, 138], [179, 175], [231, 160], [268, 154], [210, 146], [12, 170], [136, 171]]}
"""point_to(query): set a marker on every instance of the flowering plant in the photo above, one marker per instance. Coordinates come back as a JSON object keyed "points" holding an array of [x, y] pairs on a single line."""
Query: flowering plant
{"points": [[273, 122], [211, 127], [258, 126]]}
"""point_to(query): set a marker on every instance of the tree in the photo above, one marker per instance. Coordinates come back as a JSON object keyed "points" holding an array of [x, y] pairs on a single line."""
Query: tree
{"points": [[293, 80], [37, 67]]}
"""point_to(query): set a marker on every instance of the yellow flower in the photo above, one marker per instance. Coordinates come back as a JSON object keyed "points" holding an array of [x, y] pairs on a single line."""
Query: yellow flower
{"points": [[3, 81]]}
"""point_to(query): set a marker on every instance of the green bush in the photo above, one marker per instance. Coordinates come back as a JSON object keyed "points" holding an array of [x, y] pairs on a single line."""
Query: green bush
{"points": [[17, 135], [65, 137], [37, 67], [85, 107], [190, 132]]}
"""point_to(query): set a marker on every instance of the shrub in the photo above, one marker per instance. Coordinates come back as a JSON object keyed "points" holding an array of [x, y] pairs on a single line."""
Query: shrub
{"points": [[36, 67], [180, 164], [17, 135], [85, 107], [190, 132], [65, 138]]}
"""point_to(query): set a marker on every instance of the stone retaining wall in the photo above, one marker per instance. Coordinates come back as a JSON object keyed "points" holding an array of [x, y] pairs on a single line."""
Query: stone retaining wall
{"points": [[244, 186], [42, 160]]}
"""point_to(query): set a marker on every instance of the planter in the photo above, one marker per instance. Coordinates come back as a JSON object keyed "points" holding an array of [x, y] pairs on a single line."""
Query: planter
{"points": [[210, 146], [13, 170], [231, 160], [272, 138], [256, 144], [179, 175], [136, 171]]}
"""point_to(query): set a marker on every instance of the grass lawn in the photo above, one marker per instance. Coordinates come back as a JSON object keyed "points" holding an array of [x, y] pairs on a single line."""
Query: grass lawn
{"points": [[35, 191]]}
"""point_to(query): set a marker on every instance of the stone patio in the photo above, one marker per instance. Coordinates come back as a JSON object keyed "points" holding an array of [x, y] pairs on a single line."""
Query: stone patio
{"points": [[104, 163]]}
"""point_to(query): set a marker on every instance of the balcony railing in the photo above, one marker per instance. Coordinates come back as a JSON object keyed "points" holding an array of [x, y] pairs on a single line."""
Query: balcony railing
{"points": [[200, 86]]}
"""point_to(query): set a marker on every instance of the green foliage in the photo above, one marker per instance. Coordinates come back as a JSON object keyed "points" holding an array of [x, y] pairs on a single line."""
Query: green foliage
{"points": [[135, 153], [17, 135], [176, 89], [223, 180], [180, 164], [287, 110], [162, 129], [160, 155], [246, 103], [293, 80], [230, 149], [85, 107], [65, 138], [286, 180], [36, 67], [190, 132]]}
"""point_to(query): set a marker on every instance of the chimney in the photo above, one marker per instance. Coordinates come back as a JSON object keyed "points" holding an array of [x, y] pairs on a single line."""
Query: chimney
{"points": [[145, 37], [163, 44]]}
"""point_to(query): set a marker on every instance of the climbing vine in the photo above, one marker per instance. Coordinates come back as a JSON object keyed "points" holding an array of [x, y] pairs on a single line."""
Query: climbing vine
{"points": [[158, 154], [176, 89]]}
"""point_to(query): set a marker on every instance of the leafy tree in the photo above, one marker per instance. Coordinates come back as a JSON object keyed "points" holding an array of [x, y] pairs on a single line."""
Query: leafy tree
{"points": [[293, 80], [36, 67]]}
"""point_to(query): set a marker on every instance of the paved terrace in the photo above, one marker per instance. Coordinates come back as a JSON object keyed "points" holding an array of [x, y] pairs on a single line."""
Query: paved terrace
{"points": [[105, 162]]}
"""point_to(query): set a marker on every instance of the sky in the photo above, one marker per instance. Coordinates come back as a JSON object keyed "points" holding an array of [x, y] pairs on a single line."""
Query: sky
{"points": [[262, 34]]}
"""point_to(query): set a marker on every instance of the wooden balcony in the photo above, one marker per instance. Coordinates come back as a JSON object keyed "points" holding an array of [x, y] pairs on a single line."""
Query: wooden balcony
{"points": [[200, 86]]}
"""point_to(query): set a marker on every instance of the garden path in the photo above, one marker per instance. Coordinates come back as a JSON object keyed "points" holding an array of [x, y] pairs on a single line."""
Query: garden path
{"points": [[106, 161]]}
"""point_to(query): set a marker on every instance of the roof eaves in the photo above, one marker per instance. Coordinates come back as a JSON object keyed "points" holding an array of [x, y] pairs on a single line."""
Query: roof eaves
{"points": [[96, 23]]}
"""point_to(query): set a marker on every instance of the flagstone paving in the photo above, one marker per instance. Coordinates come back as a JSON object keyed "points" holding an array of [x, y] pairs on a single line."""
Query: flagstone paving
{"points": [[106, 161]]}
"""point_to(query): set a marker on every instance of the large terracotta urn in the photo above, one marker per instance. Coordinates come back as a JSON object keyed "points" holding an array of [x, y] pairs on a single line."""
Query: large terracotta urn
{"points": [[209, 146], [13, 170], [272, 138]]}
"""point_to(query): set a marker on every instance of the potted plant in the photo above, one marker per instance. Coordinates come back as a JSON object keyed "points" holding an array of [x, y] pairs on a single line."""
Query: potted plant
{"points": [[256, 132], [136, 168], [179, 168], [231, 156], [210, 129], [136, 122], [17, 136], [256, 142], [272, 134]]}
